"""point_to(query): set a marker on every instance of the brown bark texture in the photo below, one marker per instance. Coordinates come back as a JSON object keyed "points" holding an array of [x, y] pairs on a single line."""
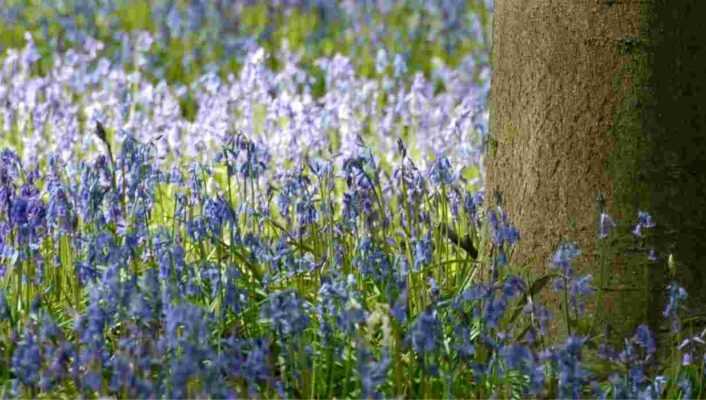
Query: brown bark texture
{"points": [[604, 97]]}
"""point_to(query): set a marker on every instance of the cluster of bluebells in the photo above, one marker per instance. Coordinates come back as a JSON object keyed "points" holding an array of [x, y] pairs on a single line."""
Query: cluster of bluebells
{"points": [[227, 279], [169, 278], [227, 27], [275, 243], [49, 113], [182, 302]]}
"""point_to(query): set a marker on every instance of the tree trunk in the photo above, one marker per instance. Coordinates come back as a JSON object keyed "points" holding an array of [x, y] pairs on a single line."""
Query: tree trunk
{"points": [[604, 97]]}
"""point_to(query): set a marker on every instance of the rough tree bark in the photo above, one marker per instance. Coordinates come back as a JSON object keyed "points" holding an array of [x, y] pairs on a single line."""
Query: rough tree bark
{"points": [[606, 97]]}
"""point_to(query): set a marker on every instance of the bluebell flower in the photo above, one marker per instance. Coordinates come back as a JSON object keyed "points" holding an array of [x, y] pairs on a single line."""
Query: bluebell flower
{"points": [[131, 241], [211, 278], [190, 286], [261, 251], [472, 204], [10, 167], [503, 233], [196, 229], [117, 291], [306, 211], [441, 172], [686, 359], [18, 211], [659, 383], [399, 66], [91, 326], [186, 325], [537, 379], [540, 314], [520, 357], [59, 209], [423, 249], [36, 221], [196, 184], [216, 214], [462, 341], [27, 361], [425, 334], [455, 201], [361, 174], [123, 375], [494, 310], [350, 210], [85, 272], [636, 375], [686, 387], [321, 168], [579, 288], [476, 292], [59, 359], [49, 330], [140, 309], [286, 312], [572, 375], [253, 158], [380, 61], [350, 316], [676, 295], [629, 354], [372, 261], [235, 298], [644, 221], [6, 195], [689, 346], [373, 373], [257, 366], [645, 339], [408, 176], [4, 307], [564, 256], [516, 356], [606, 225], [513, 286], [293, 187], [92, 381], [399, 308], [182, 369], [401, 267], [338, 301]]}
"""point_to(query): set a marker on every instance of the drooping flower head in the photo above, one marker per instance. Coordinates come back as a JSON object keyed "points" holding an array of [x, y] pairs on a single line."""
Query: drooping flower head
{"points": [[425, 335], [644, 221], [564, 256], [643, 337], [286, 312], [606, 225], [676, 295], [441, 171]]}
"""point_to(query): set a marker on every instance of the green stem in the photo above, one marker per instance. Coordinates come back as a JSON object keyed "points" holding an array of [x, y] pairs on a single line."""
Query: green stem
{"points": [[329, 378], [346, 381], [566, 306]]}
